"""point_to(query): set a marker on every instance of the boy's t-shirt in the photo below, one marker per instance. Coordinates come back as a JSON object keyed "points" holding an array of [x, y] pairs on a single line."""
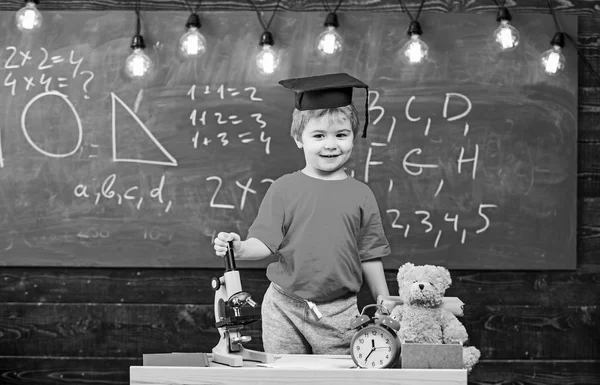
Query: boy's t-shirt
{"points": [[321, 231]]}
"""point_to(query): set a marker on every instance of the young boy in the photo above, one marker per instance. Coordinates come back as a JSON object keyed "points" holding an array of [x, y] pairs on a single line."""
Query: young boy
{"points": [[323, 225]]}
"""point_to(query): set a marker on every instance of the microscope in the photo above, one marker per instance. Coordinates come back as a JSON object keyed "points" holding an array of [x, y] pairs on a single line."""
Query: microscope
{"points": [[228, 293]]}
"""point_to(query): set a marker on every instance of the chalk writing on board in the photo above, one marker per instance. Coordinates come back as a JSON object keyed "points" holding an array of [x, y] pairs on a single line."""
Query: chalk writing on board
{"points": [[201, 118], [115, 99], [223, 91], [18, 59], [253, 130], [130, 194], [245, 190], [66, 100], [156, 233], [447, 218], [224, 139], [412, 166], [88, 236]]}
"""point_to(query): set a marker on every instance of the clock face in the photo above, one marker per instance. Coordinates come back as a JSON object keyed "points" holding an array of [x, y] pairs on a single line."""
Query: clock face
{"points": [[374, 347]]}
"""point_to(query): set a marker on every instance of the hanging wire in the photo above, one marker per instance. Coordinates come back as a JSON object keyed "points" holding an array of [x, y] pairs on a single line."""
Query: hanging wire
{"points": [[262, 22], [558, 28], [329, 9], [193, 10], [503, 13], [405, 9], [500, 5], [579, 53], [138, 25]]}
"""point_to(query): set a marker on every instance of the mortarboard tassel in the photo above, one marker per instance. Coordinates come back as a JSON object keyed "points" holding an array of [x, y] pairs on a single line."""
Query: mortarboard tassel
{"points": [[364, 135]]}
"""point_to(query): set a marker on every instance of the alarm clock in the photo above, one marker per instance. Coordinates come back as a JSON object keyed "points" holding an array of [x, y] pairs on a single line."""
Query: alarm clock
{"points": [[375, 343]]}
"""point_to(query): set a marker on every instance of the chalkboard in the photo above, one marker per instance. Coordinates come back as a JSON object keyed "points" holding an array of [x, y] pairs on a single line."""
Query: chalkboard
{"points": [[472, 156]]}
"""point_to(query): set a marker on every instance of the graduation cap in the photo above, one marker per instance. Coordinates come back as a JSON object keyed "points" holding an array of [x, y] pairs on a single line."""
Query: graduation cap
{"points": [[326, 91]]}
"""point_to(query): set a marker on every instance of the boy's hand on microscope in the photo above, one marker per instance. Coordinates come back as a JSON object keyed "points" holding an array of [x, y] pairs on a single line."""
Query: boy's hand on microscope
{"points": [[222, 240]]}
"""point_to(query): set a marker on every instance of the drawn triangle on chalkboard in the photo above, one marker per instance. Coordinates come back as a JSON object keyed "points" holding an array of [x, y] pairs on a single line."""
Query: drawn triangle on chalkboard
{"points": [[172, 161]]}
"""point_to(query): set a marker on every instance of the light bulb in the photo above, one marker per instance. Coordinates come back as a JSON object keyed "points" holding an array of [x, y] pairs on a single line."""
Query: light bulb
{"points": [[415, 50], [138, 64], [267, 60], [192, 43], [506, 36], [329, 42], [553, 60], [29, 17]]}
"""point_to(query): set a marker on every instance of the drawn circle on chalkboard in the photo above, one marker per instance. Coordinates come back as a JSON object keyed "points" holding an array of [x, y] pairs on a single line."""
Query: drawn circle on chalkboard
{"points": [[79, 128]]}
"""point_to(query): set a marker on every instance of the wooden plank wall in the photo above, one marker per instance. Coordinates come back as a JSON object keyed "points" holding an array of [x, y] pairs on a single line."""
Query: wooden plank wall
{"points": [[84, 325]]}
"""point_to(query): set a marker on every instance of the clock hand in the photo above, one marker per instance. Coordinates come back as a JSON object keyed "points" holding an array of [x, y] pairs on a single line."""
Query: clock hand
{"points": [[372, 350]]}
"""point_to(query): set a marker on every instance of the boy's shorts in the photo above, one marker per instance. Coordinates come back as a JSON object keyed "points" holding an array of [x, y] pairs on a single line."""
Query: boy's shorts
{"points": [[290, 326]]}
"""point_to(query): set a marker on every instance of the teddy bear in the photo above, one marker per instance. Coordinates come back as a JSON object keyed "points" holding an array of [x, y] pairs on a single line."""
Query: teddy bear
{"points": [[422, 319]]}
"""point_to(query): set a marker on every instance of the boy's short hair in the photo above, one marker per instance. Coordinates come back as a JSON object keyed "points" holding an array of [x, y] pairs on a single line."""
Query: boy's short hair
{"points": [[301, 118]]}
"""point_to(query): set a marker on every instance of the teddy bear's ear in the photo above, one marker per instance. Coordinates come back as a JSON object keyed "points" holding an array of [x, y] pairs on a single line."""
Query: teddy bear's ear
{"points": [[444, 276], [403, 270]]}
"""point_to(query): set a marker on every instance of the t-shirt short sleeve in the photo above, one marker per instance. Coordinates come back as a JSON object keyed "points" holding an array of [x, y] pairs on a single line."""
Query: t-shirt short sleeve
{"points": [[268, 225], [372, 242]]}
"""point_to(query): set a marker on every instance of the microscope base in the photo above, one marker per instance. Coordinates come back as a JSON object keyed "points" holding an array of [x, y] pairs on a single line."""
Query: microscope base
{"points": [[227, 359], [237, 358], [234, 354]]}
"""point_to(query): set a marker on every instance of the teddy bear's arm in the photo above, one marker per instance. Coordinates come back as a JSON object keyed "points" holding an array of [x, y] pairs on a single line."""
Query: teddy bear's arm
{"points": [[453, 330], [397, 313]]}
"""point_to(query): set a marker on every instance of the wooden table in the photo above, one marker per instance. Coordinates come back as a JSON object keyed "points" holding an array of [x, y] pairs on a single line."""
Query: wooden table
{"points": [[294, 369]]}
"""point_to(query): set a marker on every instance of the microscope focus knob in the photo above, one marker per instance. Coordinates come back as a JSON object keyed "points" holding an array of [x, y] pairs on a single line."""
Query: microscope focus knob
{"points": [[215, 283]]}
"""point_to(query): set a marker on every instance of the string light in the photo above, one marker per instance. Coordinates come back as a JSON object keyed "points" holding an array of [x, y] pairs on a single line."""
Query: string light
{"points": [[414, 51], [268, 59], [329, 43], [138, 64], [553, 60], [29, 18], [506, 36], [192, 43]]}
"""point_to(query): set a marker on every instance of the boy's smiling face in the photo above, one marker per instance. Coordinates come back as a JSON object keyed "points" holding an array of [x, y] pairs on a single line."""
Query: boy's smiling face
{"points": [[327, 142]]}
